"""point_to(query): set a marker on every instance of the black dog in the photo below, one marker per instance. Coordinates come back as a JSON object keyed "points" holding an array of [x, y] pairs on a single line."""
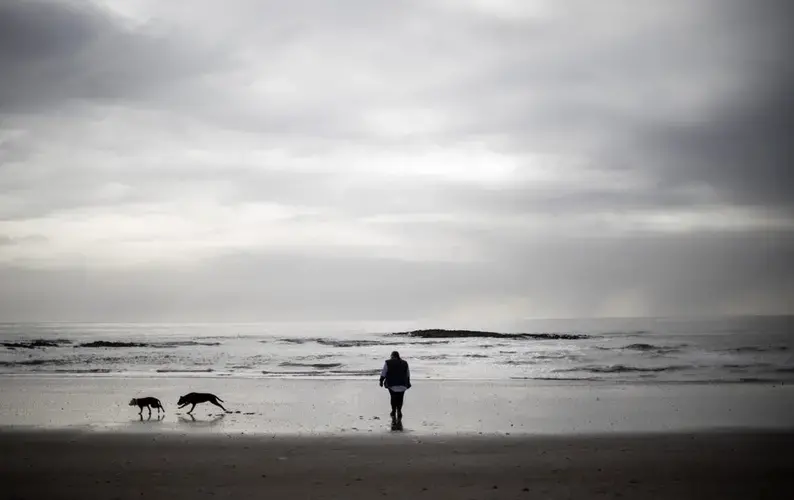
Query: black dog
{"points": [[149, 403], [195, 398]]}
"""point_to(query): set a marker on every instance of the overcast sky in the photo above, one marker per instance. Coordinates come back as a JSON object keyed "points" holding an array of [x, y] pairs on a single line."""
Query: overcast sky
{"points": [[436, 160]]}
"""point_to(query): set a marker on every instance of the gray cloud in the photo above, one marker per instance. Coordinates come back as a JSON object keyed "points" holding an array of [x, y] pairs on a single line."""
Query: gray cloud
{"points": [[745, 152], [621, 101], [416, 159], [53, 52]]}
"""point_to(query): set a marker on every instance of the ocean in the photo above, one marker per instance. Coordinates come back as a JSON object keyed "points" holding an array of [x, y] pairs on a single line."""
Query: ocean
{"points": [[655, 350]]}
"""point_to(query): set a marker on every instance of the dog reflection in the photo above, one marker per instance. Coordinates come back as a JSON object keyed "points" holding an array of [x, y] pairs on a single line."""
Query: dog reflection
{"points": [[192, 421], [157, 418]]}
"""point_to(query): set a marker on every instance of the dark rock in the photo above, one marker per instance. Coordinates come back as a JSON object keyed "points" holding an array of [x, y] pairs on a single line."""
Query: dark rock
{"points": [[107, 343]]}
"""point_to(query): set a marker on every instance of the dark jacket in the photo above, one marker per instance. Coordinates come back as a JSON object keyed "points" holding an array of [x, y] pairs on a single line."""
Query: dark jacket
{"points": [[397, 372]]}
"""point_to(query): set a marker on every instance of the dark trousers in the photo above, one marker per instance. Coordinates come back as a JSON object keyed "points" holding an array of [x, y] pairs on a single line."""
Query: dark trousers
{"points": [[396, 401]]}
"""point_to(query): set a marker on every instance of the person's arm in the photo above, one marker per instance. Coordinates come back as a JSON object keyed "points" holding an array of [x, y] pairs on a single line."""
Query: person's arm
{"points": [[407, 377], [383, 373]]}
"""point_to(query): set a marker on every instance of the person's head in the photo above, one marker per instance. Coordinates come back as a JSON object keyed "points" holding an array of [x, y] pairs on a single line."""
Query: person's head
{"points": [[395, 355]]}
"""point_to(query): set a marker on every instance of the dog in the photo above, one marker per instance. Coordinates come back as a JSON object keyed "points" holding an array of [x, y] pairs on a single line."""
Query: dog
{"points": [[195, 398], [149, 403]]}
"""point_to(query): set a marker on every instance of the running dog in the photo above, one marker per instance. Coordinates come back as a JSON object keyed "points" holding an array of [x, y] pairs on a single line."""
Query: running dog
{"points": [[195, 398], [149, 403]]}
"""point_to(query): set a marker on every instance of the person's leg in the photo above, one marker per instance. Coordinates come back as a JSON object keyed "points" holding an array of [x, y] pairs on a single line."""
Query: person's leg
{"points": [[393, 396], [399, 401]]}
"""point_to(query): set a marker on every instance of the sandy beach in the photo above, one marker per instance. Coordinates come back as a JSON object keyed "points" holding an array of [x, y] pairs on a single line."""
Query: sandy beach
{"points": [[60, 464], [76, 437]]}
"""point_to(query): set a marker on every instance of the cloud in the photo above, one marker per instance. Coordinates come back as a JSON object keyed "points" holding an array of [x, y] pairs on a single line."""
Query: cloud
{"points": [[743, 152], [425, 158], [54, 53]]}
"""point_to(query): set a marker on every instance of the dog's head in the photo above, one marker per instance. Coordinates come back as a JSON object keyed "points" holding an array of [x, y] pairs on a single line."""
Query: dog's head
{"points": [[133, 402], [181, 400]]}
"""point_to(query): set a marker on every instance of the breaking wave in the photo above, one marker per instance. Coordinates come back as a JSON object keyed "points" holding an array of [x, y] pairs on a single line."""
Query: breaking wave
{"points": [[752, 348], [557, 355], [645, 348], [182, 343], [654, 348], [319, 366], [184, 370], [432, 357], [36, 362], [157, 345], [362, 373], [84, 370], [444, 334], [336, 342], [328, 373], [276, 373], [624, 369]]}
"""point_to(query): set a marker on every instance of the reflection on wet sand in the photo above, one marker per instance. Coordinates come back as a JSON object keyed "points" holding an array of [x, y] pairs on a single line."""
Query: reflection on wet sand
{"points": [[189, 419], [149, 419]]}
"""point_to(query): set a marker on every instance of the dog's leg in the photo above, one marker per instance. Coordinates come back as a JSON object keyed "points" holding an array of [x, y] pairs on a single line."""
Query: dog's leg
{"points": [[216, 403], [140, 412], [192, 408], [150, 410]]}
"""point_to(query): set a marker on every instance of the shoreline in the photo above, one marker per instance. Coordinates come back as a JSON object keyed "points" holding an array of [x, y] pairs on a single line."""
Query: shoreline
{"points": [[69, 464], [321, 377]]}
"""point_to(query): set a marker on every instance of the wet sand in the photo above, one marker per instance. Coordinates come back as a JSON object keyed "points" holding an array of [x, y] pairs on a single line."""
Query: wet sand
{"points": [[86, 465], [360, 407]]}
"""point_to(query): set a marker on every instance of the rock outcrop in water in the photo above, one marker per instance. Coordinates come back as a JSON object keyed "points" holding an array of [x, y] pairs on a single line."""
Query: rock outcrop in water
{"points": [[438, 333], [33, 344], [107, 343]]}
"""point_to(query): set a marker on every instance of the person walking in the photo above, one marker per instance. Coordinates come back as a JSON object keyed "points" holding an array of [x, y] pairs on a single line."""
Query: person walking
{"points": [[396, 377]]}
